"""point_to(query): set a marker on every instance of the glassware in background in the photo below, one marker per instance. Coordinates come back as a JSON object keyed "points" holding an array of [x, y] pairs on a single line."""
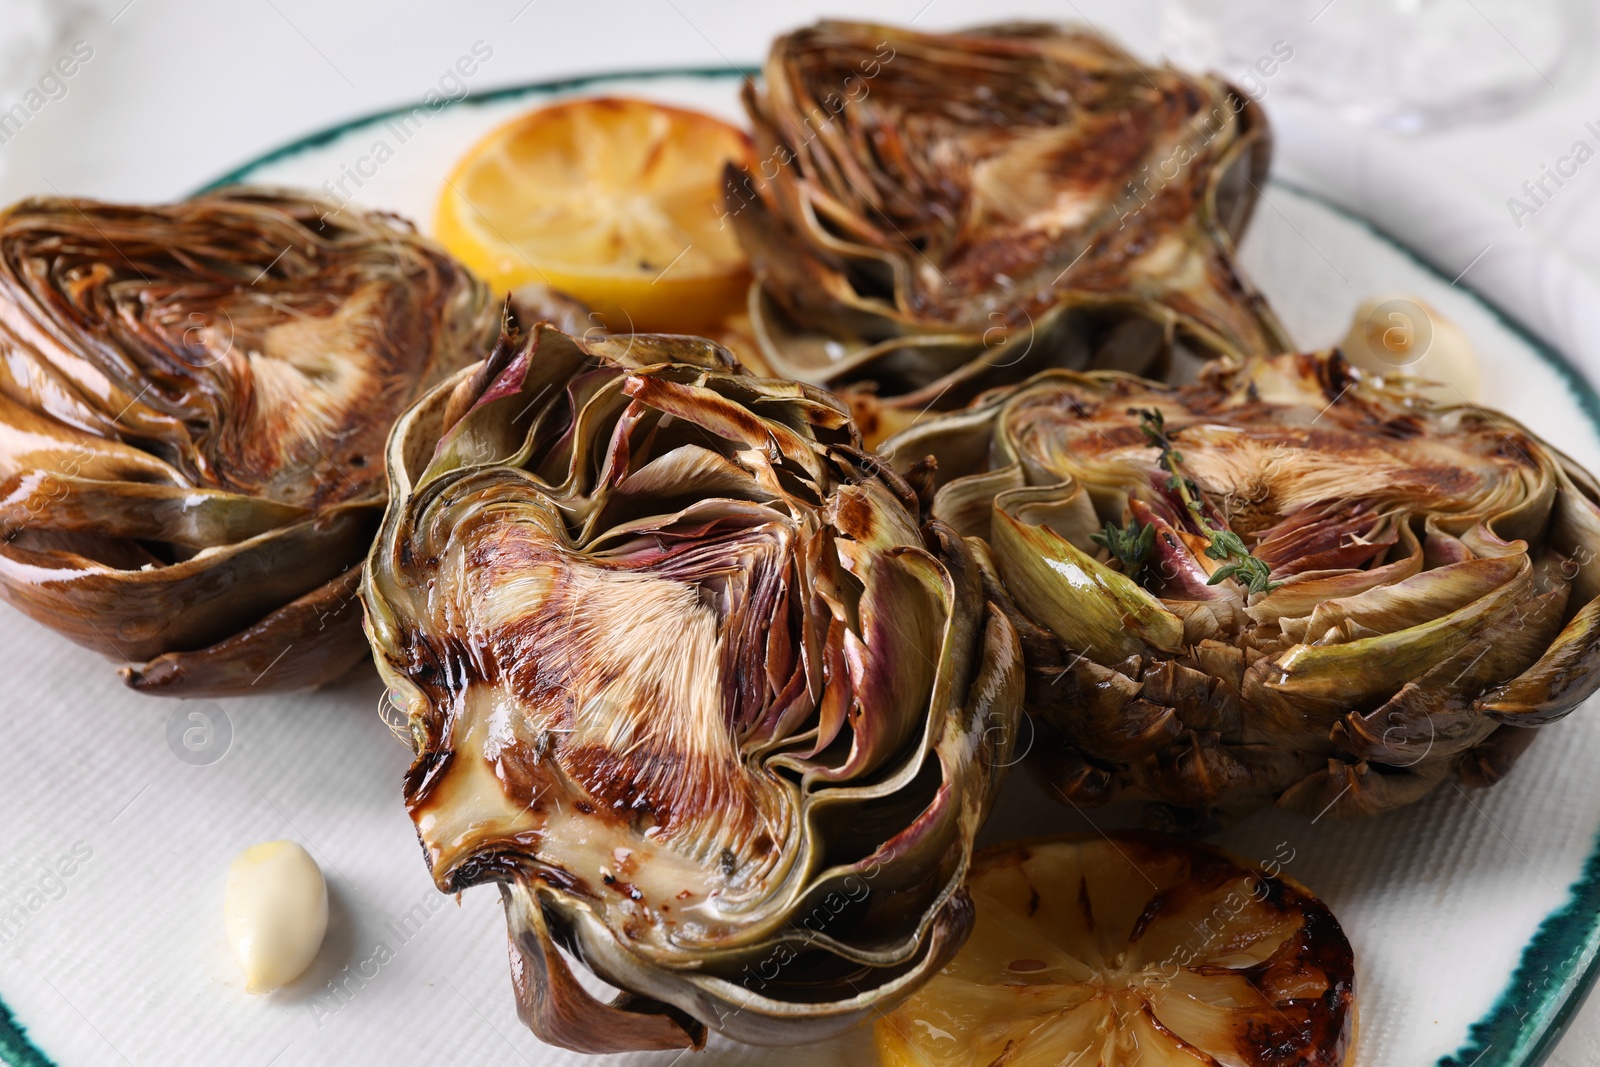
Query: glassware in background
{"points": [[27, 29], [1405, 65], [30, 32]]}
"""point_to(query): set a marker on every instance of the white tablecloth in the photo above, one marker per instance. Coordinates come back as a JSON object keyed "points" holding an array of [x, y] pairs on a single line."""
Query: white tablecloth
{"points": [[164, 95]]}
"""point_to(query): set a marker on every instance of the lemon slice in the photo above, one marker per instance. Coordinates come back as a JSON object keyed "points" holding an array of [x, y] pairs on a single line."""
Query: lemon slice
{"points": [[1133, 949], [615, 202]]}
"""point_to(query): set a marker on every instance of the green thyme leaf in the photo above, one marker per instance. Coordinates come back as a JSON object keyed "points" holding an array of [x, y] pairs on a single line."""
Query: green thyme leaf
{"points": [[1221, 542], [1128, 546], [1251, 572], [1225, 543], [1154, 425]]}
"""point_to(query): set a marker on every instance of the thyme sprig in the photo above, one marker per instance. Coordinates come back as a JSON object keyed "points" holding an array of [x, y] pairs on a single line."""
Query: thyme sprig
{"points": [[1130, 546], [1222, 543]]}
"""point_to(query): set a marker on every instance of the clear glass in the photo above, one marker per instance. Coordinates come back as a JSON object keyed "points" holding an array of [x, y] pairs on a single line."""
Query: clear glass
{"points": [[1406, 65]]}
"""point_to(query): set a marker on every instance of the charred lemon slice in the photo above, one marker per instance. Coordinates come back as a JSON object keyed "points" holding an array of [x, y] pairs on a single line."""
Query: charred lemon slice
{"points": [[1133, 949], [616, 202]]}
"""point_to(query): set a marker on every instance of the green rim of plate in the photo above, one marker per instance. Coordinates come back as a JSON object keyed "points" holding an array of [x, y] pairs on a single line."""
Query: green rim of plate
{"points": [[1561, 962], [1559, 965], [510, 92], [15, 1048]]}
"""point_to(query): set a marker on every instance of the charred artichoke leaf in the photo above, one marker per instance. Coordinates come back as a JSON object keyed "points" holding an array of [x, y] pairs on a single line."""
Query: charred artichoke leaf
{"points": [[937, 214], [689, 676], [1432, 577], [193, 404]]}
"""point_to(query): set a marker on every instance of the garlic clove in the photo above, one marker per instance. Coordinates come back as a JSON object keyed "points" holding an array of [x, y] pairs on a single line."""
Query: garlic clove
{"points": [[275, 912], [1395, 336]]}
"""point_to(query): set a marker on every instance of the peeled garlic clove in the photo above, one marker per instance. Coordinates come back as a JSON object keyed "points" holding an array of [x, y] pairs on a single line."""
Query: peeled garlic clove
{"points": [[1400, 335], [275, 912]]}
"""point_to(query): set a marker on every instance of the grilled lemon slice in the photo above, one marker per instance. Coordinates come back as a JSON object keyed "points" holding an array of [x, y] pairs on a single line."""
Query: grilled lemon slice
{"points": [[616, 202], [1133, 949]]}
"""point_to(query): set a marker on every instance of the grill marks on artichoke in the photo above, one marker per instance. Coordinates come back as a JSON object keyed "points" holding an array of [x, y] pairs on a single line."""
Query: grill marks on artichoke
{"points": [[941, 213], [305, 388], [687, 674], [263, 364], [1429, 562], [649, 737], [193, 403]]}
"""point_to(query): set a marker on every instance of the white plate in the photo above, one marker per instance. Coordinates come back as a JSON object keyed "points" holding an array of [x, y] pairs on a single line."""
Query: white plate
{"points": [[1474, 916]]}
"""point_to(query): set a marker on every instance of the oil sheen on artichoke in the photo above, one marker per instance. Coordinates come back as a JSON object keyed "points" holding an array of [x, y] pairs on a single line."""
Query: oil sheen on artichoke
{"points": [[690, 678]]}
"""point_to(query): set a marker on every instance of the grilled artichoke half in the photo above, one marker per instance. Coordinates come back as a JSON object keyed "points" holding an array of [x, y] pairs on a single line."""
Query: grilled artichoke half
{"points": [[935, 214], [193, 404], [1425, 581], [688, 678]]}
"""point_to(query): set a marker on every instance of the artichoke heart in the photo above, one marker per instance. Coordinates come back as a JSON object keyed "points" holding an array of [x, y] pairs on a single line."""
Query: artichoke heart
{"points": [[688, 677], [1288, 582], [193, 405], [932, 215]]}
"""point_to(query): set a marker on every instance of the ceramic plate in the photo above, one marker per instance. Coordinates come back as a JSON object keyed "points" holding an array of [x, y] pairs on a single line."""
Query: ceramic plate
{"points": [[1473, 915]]}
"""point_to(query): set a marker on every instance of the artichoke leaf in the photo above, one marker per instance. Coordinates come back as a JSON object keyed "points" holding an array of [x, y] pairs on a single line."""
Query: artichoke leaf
{"points": [[1070, 514], [1491, 761], [1109, 614], [1300, 594], [1437, 714], [967, 504], [775, 993], [1575, 530], [326, 621], [865, 513], [480, 418], [1350, 790], [963, 224], [179, 515], [903, 610], [139, 614], [726, 418], [31, 441], [1413, 601], [1431, 577], [1360, 669], [193, 402], [551, 1001], [1565, 676], [689, 662], [960, 441]]}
